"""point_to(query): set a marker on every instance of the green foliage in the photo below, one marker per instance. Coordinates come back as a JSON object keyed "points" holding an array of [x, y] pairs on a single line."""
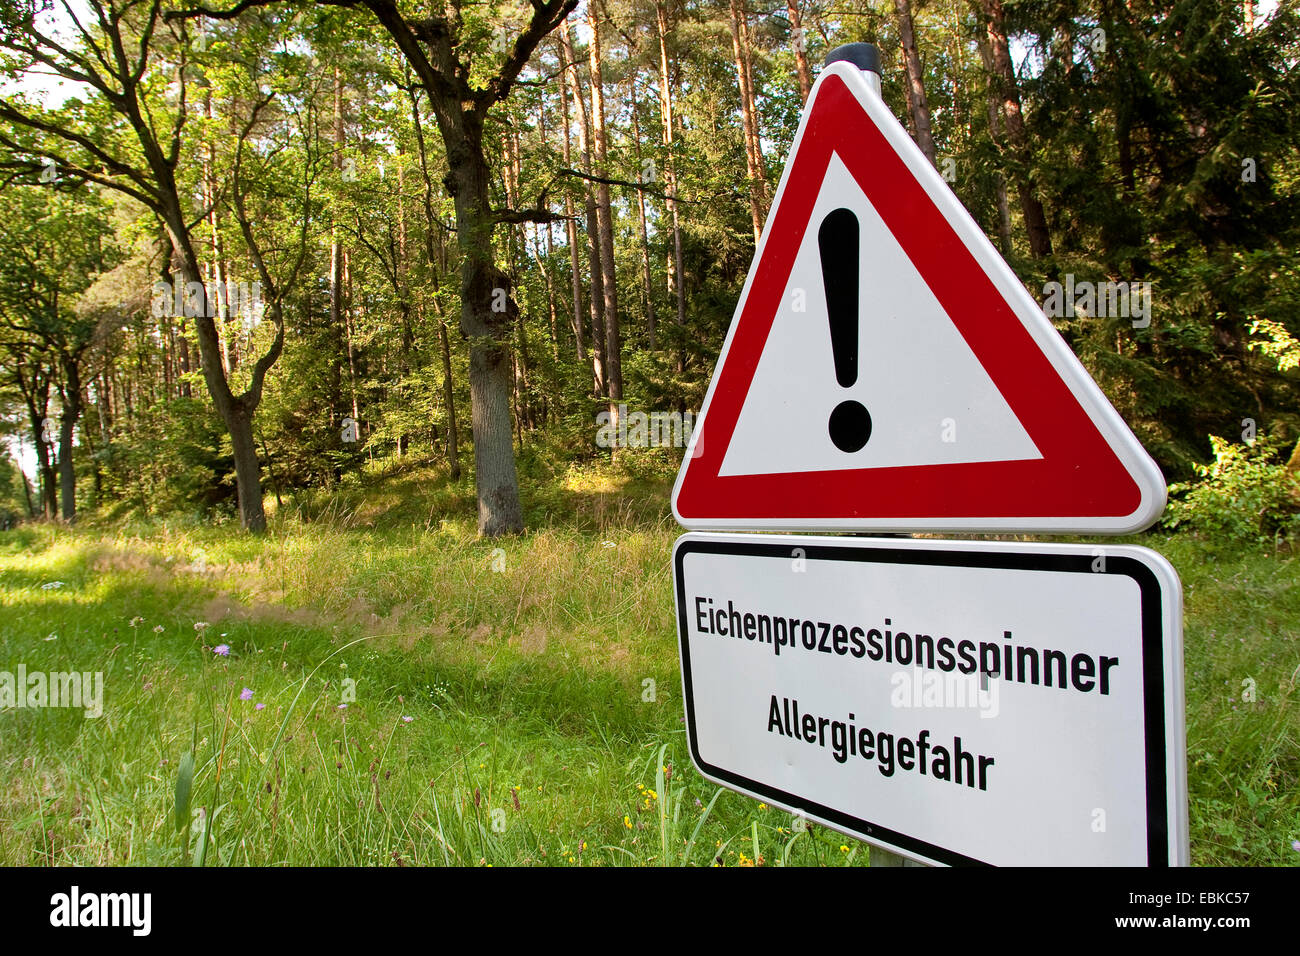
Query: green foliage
{"points": [[1160, 138], [1247, 495], [12, 501], [175, 460], [1166, 153]]}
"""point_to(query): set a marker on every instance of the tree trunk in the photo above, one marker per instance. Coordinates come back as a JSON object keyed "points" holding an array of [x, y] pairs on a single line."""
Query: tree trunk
{"points": [[402, 283], [496, 481], [488, 331], [995, 133], [346, 306], [449, 400], [596, 298], [570, 224], [800, 50], [27, 493], [543, 262], [71, 397], [234, 410], [515, 242], [753, 150], [248, 470], [92, 453], [605, 227], [461, 112], [435, 262], [647, 282], [523, 384], [676, 276], [1004, 78], [917, 104], [596, 301], [45, 470], [218, 272], [337, 322], [36, 395], [167, 339], [49, 491]]}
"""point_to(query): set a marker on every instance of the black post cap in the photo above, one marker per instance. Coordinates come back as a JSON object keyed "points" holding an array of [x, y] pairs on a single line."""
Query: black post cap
{"points": [[864, 56]]}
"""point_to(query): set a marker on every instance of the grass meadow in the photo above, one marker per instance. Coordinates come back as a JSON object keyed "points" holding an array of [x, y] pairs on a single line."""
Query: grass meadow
{"points": [[370, 684]]}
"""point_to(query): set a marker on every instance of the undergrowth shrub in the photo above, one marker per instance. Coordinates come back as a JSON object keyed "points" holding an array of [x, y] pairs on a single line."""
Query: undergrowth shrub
{"points": [[1246, 495]]}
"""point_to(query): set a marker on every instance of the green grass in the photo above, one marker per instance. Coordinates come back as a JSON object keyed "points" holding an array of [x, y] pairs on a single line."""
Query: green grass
{"points": [[1242, 633], [493, 717]]}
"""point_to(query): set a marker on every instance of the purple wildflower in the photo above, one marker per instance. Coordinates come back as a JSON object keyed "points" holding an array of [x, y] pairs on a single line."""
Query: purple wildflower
{"points": [[222, 650], [246, 694], [259, 706]]}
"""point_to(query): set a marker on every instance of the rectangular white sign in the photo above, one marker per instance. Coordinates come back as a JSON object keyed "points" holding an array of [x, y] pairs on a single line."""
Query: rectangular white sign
{"points": [[956, 702]]}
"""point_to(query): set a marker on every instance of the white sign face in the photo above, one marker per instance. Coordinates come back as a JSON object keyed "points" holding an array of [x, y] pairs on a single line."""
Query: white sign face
{"points": [[911, 340], [954, 702]]}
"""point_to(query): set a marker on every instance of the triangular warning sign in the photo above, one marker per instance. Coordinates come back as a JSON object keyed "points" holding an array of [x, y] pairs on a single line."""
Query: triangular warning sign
{"points": [[886, 370]]}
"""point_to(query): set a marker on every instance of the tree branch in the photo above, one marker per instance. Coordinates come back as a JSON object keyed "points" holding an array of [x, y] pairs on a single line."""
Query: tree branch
{"points": [[547, 15], [230, 14], [535, 214], [145, 193], [565, 171]]}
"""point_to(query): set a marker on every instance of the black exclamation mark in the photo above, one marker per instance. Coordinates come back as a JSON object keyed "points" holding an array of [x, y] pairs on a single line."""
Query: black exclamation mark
{"points": [[850, 424]]}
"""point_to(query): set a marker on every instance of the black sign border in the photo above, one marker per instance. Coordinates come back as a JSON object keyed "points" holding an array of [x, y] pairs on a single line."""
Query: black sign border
{"points": [[1153, 671]]}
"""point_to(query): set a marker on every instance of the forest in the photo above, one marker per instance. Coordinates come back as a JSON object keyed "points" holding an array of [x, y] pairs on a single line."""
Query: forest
{"points": [[253, 250]]}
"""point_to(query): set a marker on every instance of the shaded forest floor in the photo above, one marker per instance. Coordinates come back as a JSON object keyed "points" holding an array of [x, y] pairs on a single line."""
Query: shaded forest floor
{"points": [[418, 696]]}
